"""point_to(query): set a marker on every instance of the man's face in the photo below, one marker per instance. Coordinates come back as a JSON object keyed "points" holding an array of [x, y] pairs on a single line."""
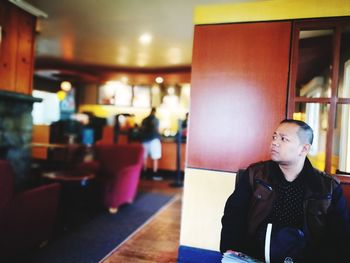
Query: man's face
{"points": [[286, 147]]}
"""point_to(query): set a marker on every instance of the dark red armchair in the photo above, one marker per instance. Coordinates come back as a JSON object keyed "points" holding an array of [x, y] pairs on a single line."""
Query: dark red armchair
{"points": [[119, 172], [26, 218]]}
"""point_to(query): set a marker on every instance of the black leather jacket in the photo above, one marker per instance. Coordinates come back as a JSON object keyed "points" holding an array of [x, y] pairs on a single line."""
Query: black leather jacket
{"points": [[326, 218]]}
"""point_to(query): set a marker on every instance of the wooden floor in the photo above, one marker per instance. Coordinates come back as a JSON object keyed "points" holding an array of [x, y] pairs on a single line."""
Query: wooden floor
{"points": [[157, 240]]}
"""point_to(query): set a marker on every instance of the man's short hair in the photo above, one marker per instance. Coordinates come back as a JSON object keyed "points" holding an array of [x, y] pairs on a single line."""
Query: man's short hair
{"points": [[305, 132]]}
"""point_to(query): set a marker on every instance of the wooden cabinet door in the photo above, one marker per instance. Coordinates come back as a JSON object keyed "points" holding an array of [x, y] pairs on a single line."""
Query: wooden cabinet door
{"points": [[25, 53], [238, 93], [17, 48]]}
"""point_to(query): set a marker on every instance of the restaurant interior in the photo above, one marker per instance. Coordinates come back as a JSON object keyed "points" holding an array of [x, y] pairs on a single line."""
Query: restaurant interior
{"points": [[77, 78]]}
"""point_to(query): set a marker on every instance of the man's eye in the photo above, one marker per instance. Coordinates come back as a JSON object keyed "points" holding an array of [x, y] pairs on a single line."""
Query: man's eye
{"points": [[284, 139], [274, 137]]}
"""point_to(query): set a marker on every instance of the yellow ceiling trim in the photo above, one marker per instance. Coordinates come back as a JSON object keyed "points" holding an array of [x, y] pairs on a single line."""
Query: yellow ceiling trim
{"points": [[270, 10]]}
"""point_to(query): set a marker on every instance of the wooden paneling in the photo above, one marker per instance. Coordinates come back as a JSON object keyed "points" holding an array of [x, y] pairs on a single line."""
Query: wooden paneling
{"points": [[2, 15], [41, 134], [25, 53], [94, 73], [238, 94], [168, 160], [16, 60], [9, 47]]}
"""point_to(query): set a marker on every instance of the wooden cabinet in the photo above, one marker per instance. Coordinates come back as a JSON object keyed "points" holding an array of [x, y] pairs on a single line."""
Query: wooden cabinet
{"points": [[17, 48]]}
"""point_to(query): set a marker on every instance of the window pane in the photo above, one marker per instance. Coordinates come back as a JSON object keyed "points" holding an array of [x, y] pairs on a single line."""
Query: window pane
{"points": [[316, 115], [314, 63], [123, 95], [115, 93], [142, 96], [341, 140], [50, 101], [344, 64]]}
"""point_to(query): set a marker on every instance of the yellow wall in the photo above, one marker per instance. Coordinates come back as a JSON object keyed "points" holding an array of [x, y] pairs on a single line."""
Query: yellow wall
{"points": [[107, 111], [205, 195], [270, 10]]}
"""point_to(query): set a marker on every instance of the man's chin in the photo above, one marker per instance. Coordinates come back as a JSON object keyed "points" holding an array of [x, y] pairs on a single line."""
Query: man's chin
{"points": [[274, 158]]}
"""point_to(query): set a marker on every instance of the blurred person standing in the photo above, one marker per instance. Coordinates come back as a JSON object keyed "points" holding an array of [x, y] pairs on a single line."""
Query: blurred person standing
{"points": [[150, 138]]}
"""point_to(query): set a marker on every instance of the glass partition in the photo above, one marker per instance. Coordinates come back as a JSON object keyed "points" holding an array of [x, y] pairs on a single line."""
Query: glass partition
{"points": [[341, 140], [314, 63], [316, 115]]}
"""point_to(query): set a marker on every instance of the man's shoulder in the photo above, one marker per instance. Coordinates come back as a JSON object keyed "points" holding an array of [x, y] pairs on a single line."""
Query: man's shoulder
{"points": [[259, 165], [327, 177], [258, 170]]}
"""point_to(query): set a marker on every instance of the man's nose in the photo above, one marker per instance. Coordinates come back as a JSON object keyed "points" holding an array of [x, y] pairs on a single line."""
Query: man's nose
{"points": [[275, 143]]}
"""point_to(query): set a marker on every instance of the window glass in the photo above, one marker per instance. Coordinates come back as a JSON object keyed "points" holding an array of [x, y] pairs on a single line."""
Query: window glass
{"points": [[344, 64], [42, 116], [123, 95], [314, 63], [341, 140], [115, 93], [316, 115]]}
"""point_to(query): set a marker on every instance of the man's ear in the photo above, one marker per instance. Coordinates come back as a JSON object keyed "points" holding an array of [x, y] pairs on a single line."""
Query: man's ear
{"points": [[306, 148]]}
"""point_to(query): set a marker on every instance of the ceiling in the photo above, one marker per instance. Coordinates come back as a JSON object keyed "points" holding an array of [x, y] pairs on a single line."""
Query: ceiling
{"points": [[105, 34]]}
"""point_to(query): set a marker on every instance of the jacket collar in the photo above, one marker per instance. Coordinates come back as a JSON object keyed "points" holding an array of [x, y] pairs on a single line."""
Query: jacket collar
{"points": [[312, 179]]}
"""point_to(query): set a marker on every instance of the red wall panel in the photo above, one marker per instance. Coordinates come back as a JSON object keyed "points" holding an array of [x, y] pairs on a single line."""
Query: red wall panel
{"points": [[238, 94]]}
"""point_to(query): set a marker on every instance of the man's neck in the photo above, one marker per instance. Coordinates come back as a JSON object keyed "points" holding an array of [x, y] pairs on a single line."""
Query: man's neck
{"points": [[291, 171]]}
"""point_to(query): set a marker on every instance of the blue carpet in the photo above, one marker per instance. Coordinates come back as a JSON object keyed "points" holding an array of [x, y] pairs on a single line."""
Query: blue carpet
{"points": [[93, 240]]}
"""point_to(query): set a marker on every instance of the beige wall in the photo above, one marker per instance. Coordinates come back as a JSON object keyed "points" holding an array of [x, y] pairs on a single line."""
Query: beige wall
{"points": [[205, 195]]}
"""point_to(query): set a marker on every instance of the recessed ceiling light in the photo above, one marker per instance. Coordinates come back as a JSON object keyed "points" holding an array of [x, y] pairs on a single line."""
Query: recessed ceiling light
{"points": [[145, 38], [159, 80]]}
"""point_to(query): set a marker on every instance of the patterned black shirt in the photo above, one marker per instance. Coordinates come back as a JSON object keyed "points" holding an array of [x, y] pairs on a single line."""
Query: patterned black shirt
{"points": [[288, 207]]}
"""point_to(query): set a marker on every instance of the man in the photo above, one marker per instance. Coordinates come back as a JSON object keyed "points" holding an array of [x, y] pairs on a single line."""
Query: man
{"points": [[306, 207], [151, 141]]}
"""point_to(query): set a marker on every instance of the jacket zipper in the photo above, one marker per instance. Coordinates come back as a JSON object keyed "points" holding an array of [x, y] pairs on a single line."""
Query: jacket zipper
{"points": [[267, 186]]}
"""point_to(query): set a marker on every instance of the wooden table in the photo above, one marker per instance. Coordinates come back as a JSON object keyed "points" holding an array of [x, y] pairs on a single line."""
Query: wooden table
{"points": [[77, 195], [81, 177], [49, 145]]}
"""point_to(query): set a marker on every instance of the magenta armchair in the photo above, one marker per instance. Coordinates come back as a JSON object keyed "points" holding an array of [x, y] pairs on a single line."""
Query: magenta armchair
{"points": [[119, 173], [26, 218]]}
